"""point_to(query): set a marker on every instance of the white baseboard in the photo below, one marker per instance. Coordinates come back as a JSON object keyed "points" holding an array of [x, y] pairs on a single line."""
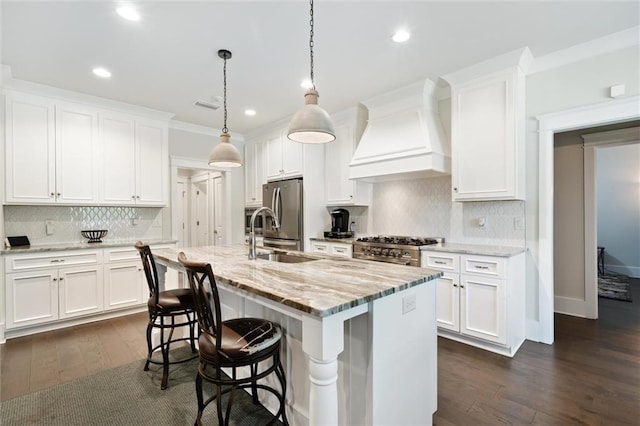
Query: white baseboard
{"points": [[2, 338], [632, 271], [570, 306]]}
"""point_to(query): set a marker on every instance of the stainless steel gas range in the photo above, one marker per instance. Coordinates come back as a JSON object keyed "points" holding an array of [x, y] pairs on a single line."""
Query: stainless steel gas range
{"points": [[392, 249]]}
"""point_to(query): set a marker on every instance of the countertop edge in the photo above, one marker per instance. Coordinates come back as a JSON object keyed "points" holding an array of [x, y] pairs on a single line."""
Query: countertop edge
{"points": [[477, 249], [80, 246]]}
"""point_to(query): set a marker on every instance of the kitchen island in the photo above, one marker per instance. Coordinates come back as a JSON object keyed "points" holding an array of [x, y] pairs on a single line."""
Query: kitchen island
{"points": [[360, 337]]}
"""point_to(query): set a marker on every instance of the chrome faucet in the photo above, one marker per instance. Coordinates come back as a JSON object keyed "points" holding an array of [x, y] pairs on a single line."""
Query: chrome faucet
{"points": [[252, 234]]}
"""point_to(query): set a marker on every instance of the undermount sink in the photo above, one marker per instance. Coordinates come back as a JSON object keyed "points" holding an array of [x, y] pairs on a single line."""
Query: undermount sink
{"points": [[283, 258]]}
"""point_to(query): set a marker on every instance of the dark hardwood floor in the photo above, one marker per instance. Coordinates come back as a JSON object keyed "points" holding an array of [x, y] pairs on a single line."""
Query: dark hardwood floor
{"points": [[590, 375]]}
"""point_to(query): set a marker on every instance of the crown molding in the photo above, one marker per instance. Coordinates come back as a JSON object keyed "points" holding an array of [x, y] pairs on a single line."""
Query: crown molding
{"points": [[610, 43]]}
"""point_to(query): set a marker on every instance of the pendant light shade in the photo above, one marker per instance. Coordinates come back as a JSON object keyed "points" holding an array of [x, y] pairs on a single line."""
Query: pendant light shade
{"points": [[225, 155], [311, 124]]}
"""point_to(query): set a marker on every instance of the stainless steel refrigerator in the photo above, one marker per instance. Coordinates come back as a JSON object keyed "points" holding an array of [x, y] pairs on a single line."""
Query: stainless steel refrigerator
{"points": [[285, 199]]}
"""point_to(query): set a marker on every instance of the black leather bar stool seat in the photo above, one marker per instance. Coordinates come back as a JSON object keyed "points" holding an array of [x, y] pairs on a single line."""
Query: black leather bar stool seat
{"points": [[233, 344], [168, 309]]}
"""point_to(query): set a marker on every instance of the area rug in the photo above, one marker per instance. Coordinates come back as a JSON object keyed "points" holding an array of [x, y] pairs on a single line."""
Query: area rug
{"points": [[125, 395], [613, 286]]}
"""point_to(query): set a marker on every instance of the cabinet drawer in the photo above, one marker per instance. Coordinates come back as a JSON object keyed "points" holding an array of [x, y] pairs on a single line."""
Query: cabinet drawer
{"points": [[341, 250], [442, 261], [484, 265], [52, 259], [320, 248], [121, 255]]}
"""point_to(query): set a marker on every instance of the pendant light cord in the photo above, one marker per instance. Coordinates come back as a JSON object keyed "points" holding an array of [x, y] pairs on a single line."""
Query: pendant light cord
{"points": [[313, 85], [224, 73]]}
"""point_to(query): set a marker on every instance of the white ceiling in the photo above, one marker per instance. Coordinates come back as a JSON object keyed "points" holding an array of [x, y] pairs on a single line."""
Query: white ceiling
{"points": [[169, 59]]}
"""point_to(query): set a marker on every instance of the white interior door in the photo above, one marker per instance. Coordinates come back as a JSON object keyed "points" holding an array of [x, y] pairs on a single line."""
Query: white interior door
{"points": [[218, 216], [200, 209], [182, 213]]}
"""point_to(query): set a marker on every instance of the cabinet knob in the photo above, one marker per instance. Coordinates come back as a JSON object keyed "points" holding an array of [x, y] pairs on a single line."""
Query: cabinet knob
{"points": [[53, 194], [133, 197], [455, 189], [55, 279], [455, 285], [461, 286], [58, 194], [138, 197]]}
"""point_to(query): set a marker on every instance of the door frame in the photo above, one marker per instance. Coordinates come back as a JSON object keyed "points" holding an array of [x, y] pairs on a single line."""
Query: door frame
{"points": [[619, 110], [592, 143], [188, 163]]}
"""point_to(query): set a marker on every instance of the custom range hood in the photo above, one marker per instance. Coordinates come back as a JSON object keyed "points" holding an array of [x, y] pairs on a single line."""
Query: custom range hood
{"points": [[404, 137]]}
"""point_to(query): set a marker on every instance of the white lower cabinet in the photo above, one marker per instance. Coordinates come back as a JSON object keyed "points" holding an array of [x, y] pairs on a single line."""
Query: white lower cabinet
{"points": [[48, 286], [124, 283], [480, 299], [333, 248]]}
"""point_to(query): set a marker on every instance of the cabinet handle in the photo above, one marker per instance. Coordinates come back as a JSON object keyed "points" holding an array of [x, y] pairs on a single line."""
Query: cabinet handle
{"points": [[481, 267], [439, 262], [57, 260]]}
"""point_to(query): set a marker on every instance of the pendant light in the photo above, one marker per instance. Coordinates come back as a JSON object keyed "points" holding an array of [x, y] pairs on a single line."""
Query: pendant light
{"points": [[311, 124], [225, 154]]}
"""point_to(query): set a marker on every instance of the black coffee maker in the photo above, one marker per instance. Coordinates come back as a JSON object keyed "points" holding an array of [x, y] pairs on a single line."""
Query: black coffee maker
{"points": [[339, 224]]}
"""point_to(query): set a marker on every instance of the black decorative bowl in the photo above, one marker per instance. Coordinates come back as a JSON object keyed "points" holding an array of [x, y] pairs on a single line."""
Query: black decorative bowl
{"points": [[94, 236]]}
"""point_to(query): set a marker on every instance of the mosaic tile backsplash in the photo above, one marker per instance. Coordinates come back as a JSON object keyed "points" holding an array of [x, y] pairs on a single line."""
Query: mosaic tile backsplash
{"points": [[123, 223], [423, 207]]}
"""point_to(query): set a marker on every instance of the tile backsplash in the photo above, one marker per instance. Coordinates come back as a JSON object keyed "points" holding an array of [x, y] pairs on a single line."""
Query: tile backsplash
{"points": [[423, 207], [123, 223]]}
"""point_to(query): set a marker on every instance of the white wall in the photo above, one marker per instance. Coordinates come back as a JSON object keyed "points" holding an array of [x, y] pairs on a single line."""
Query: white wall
{"points": [[618, 201], [577, 84]]}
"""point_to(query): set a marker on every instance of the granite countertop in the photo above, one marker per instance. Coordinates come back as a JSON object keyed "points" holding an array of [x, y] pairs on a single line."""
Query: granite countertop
{"points": [[322, 287], [480, 249], [80, 246]]}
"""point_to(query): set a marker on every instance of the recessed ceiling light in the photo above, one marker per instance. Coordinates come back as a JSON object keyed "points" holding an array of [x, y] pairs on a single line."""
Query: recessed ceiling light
{"points": [[101, 72], [250, 112], [306, 84], [128, 13], [401, 36]]}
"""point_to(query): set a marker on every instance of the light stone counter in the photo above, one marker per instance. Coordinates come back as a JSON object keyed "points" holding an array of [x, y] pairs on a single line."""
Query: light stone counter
{"points": [[484, 250], [321, 287], [375, 320], [80, 246]]}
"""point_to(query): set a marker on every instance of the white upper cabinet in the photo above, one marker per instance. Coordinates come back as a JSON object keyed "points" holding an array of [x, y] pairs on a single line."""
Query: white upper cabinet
{"points": [[59, 152], [152, 163], [487, 129], [284, 157], [340, 190], [254, 162], [51, 151], [77, 166], [135, 160], [30, 149], [118, 159]]}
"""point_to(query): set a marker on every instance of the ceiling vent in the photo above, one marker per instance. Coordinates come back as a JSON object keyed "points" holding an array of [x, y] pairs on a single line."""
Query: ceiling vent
{"points": [[214, 105]]}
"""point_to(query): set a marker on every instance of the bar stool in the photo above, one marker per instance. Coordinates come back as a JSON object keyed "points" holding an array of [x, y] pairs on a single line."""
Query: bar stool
{"points": [[235, 343], [166, 305]]}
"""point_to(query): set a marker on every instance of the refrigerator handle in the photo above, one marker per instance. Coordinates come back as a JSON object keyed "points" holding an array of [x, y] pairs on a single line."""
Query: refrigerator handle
{"points": [[278, 205]]}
